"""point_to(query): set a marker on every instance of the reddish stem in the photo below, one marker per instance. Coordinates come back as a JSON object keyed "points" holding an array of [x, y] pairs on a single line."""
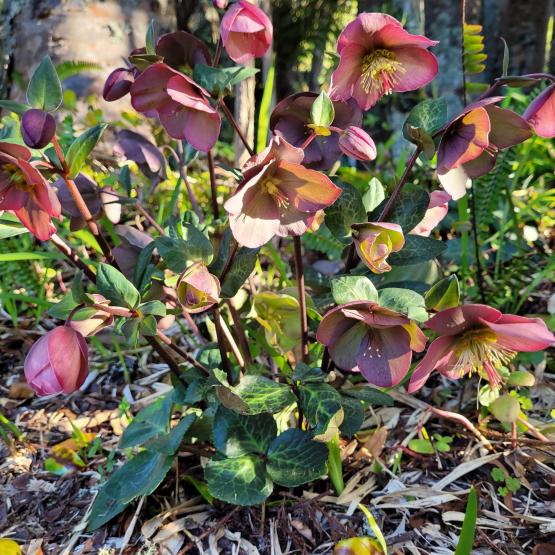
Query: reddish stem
{"points": [[235, 126], [299, 270]]}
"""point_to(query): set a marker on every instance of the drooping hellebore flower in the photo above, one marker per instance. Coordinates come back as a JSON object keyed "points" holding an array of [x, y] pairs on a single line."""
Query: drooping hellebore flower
{"points": [[357, 144], [57, 362], [478, 338], [197, 289], [471, 141], [378, 57], [437, 210], [24, 190], [133, 241], [540, 114], [139, 149], [182, 51], [181, 105], [246, 32], [290, 119], [277, 196], [37, 128], [377, 342], [375, 241], [88, 320]]}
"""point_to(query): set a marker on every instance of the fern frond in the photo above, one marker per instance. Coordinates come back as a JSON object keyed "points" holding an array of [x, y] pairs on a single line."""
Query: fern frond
{"points": [[70, 68]]}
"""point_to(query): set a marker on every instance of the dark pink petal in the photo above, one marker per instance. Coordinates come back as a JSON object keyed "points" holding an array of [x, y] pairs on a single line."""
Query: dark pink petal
{"points": [[454, 321], [38, 371], [332, 326], [480, 165], [384, 356], [362, 31], [9, 151], [181, 49], [392, 36], [540, 114], [36, 220], [68, 356], [347, 74], [148, 92], [438, 353], [186, 92], [521, 334], [12, 198], [507, 128], [199, 129], [118, 84], [357, 144], [420, 67]]}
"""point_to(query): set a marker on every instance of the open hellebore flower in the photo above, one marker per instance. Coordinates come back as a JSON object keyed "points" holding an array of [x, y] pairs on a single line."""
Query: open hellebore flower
{"points": [[470, 143], [24, 190], [357, 144], [377, 342], [139, 149], [374, 243], [290, 119], [478, 338], [88, 320], [57, 362], [180, 103], [278, 196], [377, 57], [197, 289], [437, 210], [246, 32], [540, 114], [37, 128]]}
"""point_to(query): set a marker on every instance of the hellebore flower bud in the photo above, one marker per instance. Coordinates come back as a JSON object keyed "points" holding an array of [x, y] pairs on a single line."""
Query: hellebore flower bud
{"points": [[197, 288], [58, 361], [37, 128], [375, 241], [89, 321], [540, 114], [358, 546], [220, 4], [118, 84], [357, 144]]}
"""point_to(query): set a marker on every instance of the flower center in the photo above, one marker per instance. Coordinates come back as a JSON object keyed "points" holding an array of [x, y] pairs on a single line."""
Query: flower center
{"points": [[381, 70], [17, 178], [478, 351], [273, 190]]}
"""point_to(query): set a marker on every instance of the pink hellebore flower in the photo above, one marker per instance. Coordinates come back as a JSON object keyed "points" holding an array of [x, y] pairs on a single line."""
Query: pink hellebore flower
{"points": [[478, 338], [437, 210], [357, 144], [470, 143], [197, 289], [57, 362], [24, 190], [246, 32], [278, 196], [377, 57], [180, 103], [540, 114], [377, 342], [375, 241]]}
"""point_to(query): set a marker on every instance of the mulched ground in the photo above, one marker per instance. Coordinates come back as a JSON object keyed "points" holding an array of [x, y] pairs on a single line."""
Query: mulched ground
{"points": [[418, 500]]}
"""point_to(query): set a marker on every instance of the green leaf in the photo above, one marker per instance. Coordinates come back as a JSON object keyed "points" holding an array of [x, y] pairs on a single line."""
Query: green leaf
{"points": [[444, 294], [374, 195], [423, 446], [15, 107], [521, 378], [45, 90], [345, 289], [506, 408], [505, 58], [353, 416], [322, 408], [468, 530], [178, 252], [370, 395], [140, 476], [513, 484], [425, 119], [169, 443], [81, 147], [220, 80], [261, 394], [322, 111], [294, 458], [239, 434], [404, 301], [116, 287], [497, 474], [150, 39], [155, 308], [417, 249], [306, 374], [348, 209], [240, 481], [265, 108], [131, 330]]}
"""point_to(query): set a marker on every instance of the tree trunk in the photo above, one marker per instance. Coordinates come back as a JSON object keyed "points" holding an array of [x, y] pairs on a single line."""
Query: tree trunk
{"points": [[244, 115]]}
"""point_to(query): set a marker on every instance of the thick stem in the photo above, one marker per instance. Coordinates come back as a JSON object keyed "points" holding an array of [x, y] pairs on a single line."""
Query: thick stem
{"points": [[149, 218], [299, 270], [72, 256], [213, 186], [240, 331], [233, 122], [308, 140]]}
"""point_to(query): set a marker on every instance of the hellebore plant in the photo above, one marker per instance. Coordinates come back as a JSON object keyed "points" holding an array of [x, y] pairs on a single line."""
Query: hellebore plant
{"points": [[245, 277]]}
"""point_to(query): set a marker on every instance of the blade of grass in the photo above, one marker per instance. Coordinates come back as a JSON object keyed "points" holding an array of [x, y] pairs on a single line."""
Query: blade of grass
{"points": [[468, 530]]}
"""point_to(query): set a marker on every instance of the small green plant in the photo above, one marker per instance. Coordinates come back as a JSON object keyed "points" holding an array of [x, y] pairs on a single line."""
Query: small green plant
{"points": [[512, 485]]}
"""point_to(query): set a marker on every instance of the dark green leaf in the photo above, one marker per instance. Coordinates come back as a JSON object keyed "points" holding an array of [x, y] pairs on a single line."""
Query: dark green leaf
{"points": [[417, 249], [150, 39], [370, 395], [423, 121], [45, 90], [306, 374], [240, 481], [322, 408], [374, 195], [178, 252], [242, 267], [116, 287], [219, 80], [348, 209], [81, 147], [239, 434], [156, 308], [294, 458], [404, 301], [353, 288], [169, 443], [322, 112], [353, 411], [261, 394], [444, 294], [468, 530], [16, 107]]}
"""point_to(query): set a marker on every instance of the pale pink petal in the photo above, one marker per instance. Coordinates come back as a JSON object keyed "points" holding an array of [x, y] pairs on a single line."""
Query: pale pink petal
{"points": [[437, 210], [454, 182], [453, 321], [541, 113]]}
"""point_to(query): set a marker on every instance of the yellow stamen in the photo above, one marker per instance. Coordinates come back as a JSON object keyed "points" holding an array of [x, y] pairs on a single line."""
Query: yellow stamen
{"points": [[381, 71], [273, 189]]}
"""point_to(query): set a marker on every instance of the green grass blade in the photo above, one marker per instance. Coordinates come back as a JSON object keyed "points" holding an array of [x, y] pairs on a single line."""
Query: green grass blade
{"points": [[265, 106], [468, 530]]}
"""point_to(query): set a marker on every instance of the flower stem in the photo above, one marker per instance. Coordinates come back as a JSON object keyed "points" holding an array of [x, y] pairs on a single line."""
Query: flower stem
{"points": [[240, 331], [72, 256], [308, 140], [167, 358], [226, 366], [213, 186], [299, 270], [229, 262], [149, 218], [183, 354], [235, 125]]}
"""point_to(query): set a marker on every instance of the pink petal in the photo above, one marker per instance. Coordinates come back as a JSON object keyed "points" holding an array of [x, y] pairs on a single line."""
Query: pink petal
{"points": [[344, 351], [392, 36], [11, 150], [200, 129], [187, 93], [454, 321], [36, 220], [420, 66], [148, 92], [521, 334], [480, 165], [437, 210], [438, 353], [38, 372], [66, 355], [363, 29], [541, 113], [332, 326], [12, 198], [347, 73]]}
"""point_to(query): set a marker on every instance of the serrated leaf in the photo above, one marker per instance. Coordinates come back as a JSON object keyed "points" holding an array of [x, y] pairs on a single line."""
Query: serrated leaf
{"points": [[345, 289], [294, 458], [261, 394], [404, 301], [444, 294], [240, 481], [116, 287], [239, 434], [374, 195], [417, 249], [81, 147], [45, 90], [346, 210], [322, 111], [322, 408]]}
